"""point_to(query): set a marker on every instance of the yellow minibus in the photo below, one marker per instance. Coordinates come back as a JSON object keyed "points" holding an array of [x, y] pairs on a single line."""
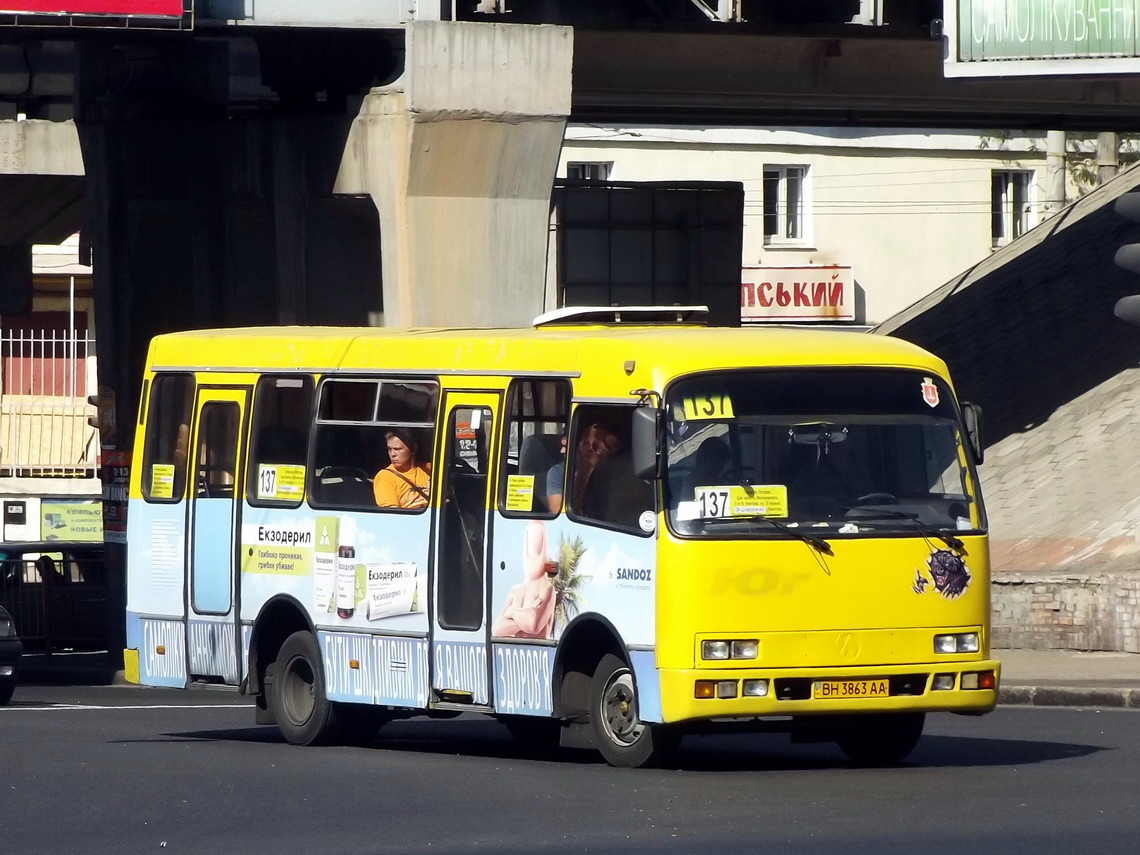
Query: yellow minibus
{"points": [[611, 529]]}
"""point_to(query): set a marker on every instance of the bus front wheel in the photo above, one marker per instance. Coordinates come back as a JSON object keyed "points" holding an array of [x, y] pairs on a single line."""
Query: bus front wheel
{"points": [[621, 737], [881, 739], [303, 712]]}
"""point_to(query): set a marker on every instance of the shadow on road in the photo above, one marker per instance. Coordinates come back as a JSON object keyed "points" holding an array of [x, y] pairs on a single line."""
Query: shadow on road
{"points": [[742, 752]]}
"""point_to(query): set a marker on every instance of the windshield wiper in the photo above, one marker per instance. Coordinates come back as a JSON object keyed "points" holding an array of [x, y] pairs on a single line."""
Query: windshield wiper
{"points": [[816, 543], [881, 515]]}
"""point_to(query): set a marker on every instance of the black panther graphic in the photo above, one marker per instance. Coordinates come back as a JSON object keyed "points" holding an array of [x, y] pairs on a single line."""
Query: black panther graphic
{"points": [[948, 573]]}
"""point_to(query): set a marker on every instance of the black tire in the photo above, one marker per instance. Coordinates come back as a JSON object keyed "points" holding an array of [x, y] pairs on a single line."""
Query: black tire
{"points": [[7, 688], [303, 712], [621, 737], [882, 739]]}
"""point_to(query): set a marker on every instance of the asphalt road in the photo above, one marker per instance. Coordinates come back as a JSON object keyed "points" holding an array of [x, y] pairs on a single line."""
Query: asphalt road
{"points": [[129, 770]]}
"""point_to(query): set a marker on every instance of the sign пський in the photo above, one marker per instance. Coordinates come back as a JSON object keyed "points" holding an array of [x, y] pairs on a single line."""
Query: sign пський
{"points": [[809, 293]]}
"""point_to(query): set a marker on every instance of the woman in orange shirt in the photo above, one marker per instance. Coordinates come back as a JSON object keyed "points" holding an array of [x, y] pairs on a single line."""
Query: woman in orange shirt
{"points": [[404, 482]]}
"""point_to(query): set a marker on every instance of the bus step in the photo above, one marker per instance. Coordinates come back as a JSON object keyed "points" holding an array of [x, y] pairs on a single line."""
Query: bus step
{"points": [[454, 707]]}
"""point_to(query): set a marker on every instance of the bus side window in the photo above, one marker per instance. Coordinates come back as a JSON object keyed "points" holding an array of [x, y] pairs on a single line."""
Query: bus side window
{"points": [[463, 516], [217, 449], [537, 414], [354, 416], [282, 413], [165, 449], [603, 488]]}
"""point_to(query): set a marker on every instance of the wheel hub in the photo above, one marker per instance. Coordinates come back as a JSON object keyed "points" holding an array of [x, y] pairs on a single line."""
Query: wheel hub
{"points": [[619, 710], [298, 694]]}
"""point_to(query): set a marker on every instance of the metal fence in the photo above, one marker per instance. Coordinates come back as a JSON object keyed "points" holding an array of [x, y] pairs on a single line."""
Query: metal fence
{"points": [[45, 377], [59, 602]]}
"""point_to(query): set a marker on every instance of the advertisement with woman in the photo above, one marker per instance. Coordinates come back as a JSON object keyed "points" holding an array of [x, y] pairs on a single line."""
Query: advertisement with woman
{"points": [[549, 572]]}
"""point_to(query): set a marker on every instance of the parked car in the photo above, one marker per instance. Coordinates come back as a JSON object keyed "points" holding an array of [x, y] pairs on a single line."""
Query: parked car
{"points": [[10, 651], [57, 594]]}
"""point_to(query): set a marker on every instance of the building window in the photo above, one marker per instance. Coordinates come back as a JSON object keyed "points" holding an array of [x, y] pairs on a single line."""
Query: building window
{"points": [[1011, 205], [785, 204], [589, 171]]}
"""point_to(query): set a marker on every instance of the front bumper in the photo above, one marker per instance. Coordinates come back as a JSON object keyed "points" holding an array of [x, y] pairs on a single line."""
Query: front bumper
{"points": [[790, 691]]}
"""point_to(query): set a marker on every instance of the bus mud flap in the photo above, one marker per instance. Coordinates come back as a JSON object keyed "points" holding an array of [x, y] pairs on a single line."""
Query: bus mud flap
{"points": [[576, 733]]}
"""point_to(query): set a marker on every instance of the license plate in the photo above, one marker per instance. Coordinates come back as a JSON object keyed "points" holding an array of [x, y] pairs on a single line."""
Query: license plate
{"points": [[841, 689]]}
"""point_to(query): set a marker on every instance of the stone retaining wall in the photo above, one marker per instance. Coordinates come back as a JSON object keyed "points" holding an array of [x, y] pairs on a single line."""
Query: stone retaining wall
{"points": [[1067, 611]]}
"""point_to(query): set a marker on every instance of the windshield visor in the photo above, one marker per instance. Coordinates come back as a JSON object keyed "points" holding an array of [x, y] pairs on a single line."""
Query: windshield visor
{"points": [[836, 451]]}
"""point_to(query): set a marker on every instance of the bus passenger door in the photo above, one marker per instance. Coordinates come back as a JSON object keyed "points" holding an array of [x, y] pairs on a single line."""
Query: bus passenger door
{"points": [[213, 638], [460, 661]]}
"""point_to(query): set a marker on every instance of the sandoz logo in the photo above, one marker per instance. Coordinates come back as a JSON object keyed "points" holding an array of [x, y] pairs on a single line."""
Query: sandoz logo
{"points": [[634, 574]]}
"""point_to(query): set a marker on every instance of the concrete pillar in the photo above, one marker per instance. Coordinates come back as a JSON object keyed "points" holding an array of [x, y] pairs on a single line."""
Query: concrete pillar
{"points": [[459, 156], [1107, 155], [1054, 173], [42, 189]]}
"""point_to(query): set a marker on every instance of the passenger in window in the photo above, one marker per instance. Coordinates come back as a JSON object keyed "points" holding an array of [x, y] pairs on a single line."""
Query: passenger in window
{"points": [[181, 447], [595, 445], [556, 480], [404, 483]]}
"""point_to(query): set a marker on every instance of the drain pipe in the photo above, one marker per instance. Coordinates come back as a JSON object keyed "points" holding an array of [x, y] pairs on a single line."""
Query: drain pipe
{"points": [[1054, 173]]}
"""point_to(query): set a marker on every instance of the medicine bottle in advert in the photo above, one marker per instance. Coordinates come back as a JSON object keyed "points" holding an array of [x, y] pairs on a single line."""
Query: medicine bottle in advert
{"points": [[346, 569]]}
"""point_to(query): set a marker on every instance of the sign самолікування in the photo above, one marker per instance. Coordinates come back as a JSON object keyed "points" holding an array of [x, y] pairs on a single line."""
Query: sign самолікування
{"points": [[809, 293], [118, 8], [992, 38]]}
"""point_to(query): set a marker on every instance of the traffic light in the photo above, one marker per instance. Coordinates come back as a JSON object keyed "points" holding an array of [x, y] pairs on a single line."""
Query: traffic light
{"points": [[104, 418], [1128, 257]]}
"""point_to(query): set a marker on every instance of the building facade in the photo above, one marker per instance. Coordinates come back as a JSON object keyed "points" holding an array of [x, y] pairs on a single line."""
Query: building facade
{"points": [[889, 214]]}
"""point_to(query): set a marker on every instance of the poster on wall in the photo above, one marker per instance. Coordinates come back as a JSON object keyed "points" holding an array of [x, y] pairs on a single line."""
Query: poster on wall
{"points": [[131, 8], [74, 522], [814, 293], [115, 474]]}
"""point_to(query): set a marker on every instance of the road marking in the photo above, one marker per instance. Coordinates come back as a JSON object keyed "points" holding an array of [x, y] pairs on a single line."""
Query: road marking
{"points": [[66, 707]]}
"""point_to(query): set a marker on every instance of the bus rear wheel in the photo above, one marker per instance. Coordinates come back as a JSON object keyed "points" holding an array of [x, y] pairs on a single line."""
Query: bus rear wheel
{"points": [[621, 737], [300, 706], [880, 739]]}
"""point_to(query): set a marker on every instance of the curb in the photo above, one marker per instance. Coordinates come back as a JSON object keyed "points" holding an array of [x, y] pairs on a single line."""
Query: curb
{"points": [[1064, 696]]}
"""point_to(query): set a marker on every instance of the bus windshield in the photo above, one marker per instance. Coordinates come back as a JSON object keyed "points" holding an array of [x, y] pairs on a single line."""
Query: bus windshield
{"points": [[833, 452]]}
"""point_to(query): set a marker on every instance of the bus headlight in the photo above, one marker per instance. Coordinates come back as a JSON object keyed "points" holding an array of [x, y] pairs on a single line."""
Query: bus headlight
{"points": [[748, 648], [715, 649], [755, 688], [962, 642]]}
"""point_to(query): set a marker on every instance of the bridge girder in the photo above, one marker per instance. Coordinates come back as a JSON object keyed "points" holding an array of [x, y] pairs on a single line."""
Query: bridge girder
{"points": [[719, 76]]}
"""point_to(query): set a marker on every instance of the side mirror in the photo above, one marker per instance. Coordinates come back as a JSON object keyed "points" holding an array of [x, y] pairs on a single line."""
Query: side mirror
{"points": [[645, 433], [972, 416]]}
